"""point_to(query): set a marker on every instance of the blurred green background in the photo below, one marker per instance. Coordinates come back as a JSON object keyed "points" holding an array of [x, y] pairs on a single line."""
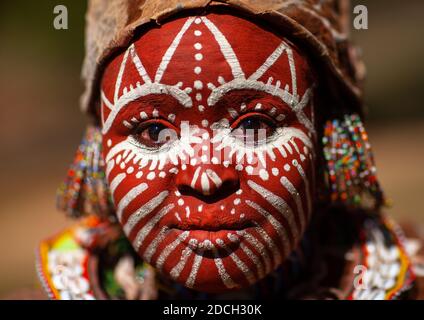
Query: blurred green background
{"points": [[41, 122]]}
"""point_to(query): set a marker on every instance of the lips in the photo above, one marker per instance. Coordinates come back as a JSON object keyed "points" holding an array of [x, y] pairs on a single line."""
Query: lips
{"points": [[214, 226], [207, 234]]}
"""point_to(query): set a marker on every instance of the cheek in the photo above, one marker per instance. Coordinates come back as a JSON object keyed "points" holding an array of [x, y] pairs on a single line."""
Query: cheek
{"points": [[279, 190], [135, 179]]}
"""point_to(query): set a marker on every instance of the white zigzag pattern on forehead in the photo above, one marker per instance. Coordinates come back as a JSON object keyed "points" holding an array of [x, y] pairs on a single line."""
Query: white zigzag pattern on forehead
{"points": [[239, 78], [149, 87], [240, 82]]}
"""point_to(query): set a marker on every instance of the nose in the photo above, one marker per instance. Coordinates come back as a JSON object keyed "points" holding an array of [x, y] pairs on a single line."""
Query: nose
{"points": [[208, 182]]}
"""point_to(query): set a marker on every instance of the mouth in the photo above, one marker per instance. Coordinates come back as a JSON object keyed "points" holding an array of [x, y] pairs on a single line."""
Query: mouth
{"points": [[213, 226], [213, 236]]}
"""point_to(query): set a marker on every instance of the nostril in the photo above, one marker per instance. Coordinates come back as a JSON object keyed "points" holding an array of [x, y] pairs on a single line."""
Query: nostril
{"points": [[227, 188], [209, 185]]}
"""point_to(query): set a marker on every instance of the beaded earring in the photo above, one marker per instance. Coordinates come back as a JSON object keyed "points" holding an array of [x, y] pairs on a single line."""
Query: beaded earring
{"points": [[351, 172], [85, 189]]}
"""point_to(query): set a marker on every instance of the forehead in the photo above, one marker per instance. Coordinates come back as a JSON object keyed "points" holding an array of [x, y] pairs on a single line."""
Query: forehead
{"points": [[199, 54]]}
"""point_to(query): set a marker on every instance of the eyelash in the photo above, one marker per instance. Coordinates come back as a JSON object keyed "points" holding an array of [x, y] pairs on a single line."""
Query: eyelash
{"points": [[263, 111]]}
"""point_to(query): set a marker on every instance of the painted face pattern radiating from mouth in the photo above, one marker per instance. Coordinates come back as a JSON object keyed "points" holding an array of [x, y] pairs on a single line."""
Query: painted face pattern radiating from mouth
{"points": [[208, 136]]}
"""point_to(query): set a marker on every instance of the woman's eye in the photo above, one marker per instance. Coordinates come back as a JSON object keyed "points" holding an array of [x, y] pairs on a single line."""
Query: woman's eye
{"points": [[155, 135], [254, 129]]}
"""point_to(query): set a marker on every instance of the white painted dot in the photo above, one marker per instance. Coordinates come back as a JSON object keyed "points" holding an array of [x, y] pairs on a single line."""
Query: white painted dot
{"points": [[122, 165], [197, 21], [184, 166], [242, 216], [222, 207], [205, 123], [264, 174], [226, 163], [239, 192], [258, 106], [139, 174], [198, 85], [249, 170], [198, 56], [198, 96], [205, 136], [197, 70], [109, 143], [177, 193], [200, 208], [287, 167], [171, 117], [214, 160], [205, 148], [197, 33], [193, 161], [201, 108], [118, 158], [143, 115], [155, 113], [275, 171], [237, 201], [305, 150], [162, 174], [204, 158], [281, 117], [302, 157], [180, 202], [130, 170], [295, 163], [239, 167], [151, 176], [198, 46], [173, 170], [233, 211]]}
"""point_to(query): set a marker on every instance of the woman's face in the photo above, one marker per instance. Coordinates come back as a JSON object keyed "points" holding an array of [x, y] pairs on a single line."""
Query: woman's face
{"points": [[208, 137]]}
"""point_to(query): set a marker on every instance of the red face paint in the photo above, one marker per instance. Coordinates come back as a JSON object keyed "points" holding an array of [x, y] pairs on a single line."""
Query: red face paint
{"points": [[208, 140]]}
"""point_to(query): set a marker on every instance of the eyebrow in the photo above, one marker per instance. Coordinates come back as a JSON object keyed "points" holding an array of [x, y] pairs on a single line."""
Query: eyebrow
{"points": [[139, 92], [220, 92], [296, 103]]}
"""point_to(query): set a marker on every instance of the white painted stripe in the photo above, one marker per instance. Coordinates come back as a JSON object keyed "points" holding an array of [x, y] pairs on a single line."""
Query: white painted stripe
{"points": [[240, 264], [144, 210], [119, 77], [145, 231], [178, 268], [130, 196], [171, 50], [106, 101], [278, 227], [169, 249], [271, 245], [214, 177], [296, 196], [194, 269], [269, 62], [259, 247], [225, 277], [226, 49], [153, 246], [195, 176], [137, 62], [279, 204], [306, 182], [116, 182]]}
